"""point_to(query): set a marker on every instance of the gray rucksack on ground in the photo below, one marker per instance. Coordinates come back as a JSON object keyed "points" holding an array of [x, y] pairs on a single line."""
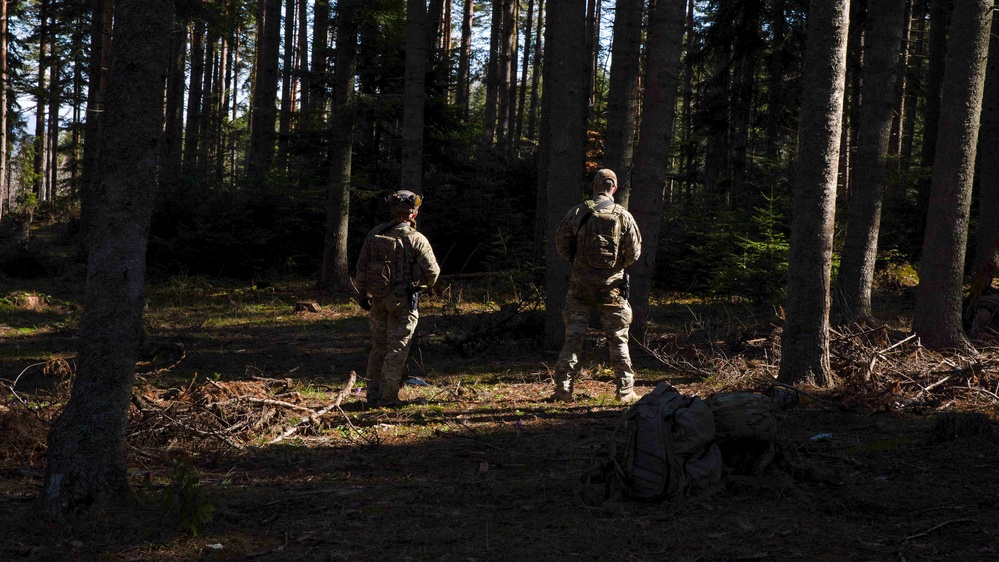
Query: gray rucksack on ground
{"points": [[745, 430], [663, 446]]}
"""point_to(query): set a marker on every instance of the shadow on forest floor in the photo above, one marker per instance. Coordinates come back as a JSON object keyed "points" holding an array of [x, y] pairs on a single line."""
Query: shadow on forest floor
{"points": [[478, 467]]}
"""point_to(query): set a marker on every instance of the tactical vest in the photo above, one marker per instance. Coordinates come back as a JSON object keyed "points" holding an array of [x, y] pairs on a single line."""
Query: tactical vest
{"points": [[389, 265], [601, 235]]}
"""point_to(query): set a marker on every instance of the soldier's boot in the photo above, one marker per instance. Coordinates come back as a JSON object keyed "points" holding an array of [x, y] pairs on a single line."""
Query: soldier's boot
{"points": [[626, 389], [563, 388]]}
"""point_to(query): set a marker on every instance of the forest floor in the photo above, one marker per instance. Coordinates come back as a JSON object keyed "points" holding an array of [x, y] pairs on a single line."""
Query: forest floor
{"points": [[477, 466]]}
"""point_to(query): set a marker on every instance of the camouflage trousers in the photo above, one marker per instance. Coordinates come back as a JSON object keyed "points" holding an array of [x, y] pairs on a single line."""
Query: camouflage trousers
{"points": [[615, 317], [392, 327]]}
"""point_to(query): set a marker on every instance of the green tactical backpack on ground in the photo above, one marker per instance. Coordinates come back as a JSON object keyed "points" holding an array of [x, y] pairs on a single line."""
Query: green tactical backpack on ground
{"points": [[745, 430], [662, 446], [387, 266]]}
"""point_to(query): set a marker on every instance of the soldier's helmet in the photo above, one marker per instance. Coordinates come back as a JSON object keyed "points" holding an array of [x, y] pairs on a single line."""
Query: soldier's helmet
{"points": [[403, 202]]}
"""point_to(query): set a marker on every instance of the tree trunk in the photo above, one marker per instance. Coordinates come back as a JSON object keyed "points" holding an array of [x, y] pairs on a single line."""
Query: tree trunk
{"points": [[287, 79], [805, 336], [525, 65], [853, 284], [940, 11], [987, 247], [208, 113], [652, 155], [414, 96], [895, 140], [100, 48], [914, 81], [86, 446], [263, 112], [335, 268], [511, 114], [4, 186], [192, 134], [776, 68], [622, 99], [173, 137], [302, 56], [563, 138], [532, 112], [464, 58], [52, 134], [504, 56], [493, 65], [38, 164], [320, 58], [937, 319]]}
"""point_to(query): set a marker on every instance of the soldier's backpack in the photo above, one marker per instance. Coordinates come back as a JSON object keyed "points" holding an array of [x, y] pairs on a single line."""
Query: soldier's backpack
{"points": [[662, 446], [745, 430], [387, 266], [601, 228]]}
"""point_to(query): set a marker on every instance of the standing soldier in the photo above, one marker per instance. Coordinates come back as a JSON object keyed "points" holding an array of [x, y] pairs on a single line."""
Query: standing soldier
{"points": [[599, 238], [395, 264]]}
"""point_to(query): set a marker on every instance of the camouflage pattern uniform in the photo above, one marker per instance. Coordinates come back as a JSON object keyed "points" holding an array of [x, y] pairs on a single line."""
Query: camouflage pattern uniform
{"points": [[596, 289], [391, 318]]}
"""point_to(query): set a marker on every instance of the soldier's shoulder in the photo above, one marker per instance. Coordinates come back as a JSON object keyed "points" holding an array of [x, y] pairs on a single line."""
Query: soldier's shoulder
{"points": [[378, 229]]}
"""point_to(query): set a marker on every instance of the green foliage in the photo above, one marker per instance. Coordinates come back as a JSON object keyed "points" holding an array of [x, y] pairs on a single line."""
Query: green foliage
{"points": [[720, 253], [185, 500]]}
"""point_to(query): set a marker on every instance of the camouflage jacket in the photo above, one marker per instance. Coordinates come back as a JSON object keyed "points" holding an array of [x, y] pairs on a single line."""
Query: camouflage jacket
{"points": [[629, 245], [423, 264]]}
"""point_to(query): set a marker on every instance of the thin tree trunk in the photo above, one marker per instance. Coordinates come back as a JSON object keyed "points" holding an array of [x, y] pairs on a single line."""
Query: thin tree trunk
{"points": [[532, 113], [287, 79], [493, 65], [192, 131], [86, 446], [622, 99], [592, 45], [413, 99], [52, 151], [262, 105], [4, 185], [987, 248], [208, 112], [895, 140], [525, 65], [464, 58], [511, 118], [320, 58], [662, 79], [914, 80], [937, 319], [335, 271], [940, 11], [100, 48], [563, 137], [505, 55], [776, 67], [302, 56], [852, 293], [172, 159], [805, 335], [38, 164]]}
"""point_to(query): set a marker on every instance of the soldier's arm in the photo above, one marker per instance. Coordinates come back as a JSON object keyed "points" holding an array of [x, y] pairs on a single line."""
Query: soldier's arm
{"points": [[564, 235], [631, 241], [360, 275], [426, 260]]}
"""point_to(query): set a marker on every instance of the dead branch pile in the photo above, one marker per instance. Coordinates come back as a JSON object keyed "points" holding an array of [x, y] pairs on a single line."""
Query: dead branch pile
{"points": [[219, 416], [470, 331]]}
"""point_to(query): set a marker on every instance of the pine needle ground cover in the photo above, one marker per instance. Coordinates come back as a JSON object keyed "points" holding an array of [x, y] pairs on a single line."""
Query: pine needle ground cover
{"points": [[248, 438]]}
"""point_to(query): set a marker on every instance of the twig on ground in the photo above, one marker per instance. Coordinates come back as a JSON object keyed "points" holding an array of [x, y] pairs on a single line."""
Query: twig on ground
{"points": [[314, 417], [934, 528]]}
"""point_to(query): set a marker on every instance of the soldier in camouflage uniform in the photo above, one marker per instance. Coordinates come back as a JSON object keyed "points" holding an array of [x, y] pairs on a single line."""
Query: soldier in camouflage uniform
{"points": [[600, 239], [395, 264]]}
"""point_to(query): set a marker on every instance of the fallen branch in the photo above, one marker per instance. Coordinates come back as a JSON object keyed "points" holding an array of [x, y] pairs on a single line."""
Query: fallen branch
{"points": [[934, 528], [314, 417]]}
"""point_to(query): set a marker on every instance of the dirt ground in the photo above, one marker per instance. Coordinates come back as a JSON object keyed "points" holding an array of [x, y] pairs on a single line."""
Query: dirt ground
{"points": [[477, 467]]}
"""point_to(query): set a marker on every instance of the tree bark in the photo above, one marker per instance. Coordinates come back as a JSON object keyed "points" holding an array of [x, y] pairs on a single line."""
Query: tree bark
{"points": [[320, 58], [563, 138], [287, 80], [655, 134], [464, 58], [4, 186], [38, 163], [525, 66], [192, 129], [86, 446], [335, 271], [895, 140], [414, 96], [805, 336], [532, 113], [914, 79], [100, 48], [852, 293], [937, 319], [987, 247], [940, 12], [493, 64], [263, 111], [172, 159], [622, 97], [504, 57]]}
